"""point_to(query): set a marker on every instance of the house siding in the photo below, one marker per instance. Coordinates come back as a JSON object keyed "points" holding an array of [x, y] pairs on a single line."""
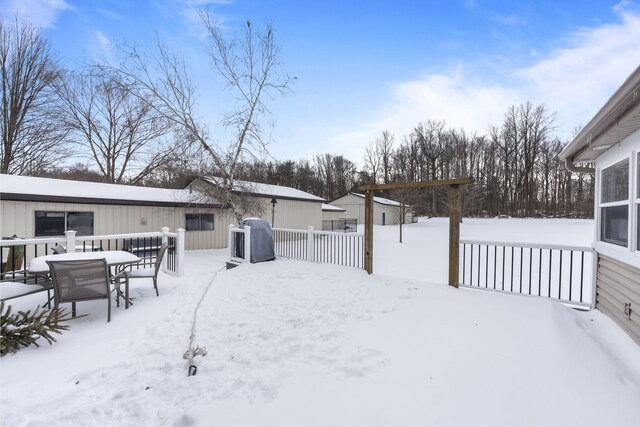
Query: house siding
{"points": [[18, 217], [294, 214], [619, 284]]}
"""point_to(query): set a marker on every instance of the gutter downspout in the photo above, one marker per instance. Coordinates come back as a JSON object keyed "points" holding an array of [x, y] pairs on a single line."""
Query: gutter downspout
{"points": [[571, 167]]}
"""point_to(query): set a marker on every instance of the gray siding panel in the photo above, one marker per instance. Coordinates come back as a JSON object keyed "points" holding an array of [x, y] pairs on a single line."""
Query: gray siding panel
{"points": [[619, 284]]}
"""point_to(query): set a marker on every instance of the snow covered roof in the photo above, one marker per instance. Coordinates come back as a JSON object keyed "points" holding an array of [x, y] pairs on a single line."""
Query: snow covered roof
{"points": [[330, 208], [380, 200], [28, 188], [267, 190]]}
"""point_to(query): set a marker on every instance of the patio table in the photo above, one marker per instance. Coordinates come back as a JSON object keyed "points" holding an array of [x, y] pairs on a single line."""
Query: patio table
{"points": [[117, 259]]}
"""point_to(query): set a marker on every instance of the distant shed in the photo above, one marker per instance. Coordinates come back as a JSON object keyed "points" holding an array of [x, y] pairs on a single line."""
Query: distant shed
{"points": [[331, 213], [385, 211]]}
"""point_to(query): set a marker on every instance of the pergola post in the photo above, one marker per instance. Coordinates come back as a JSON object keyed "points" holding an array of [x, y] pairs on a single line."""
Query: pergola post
{"points": [[454, 235], [454, 219], [368, 231]]}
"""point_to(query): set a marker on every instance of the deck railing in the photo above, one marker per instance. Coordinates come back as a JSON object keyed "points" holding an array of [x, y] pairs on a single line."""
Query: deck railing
{"points": [[553, 271], [320, 246], [17, 253], [239, 243]]}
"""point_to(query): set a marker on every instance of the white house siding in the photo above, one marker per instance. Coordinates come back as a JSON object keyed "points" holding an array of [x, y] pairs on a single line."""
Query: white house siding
{"points": [[619, 284], [18, 217]]}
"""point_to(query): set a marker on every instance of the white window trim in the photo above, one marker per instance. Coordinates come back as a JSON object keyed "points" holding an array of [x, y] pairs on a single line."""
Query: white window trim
{"points": [[630, 254]]}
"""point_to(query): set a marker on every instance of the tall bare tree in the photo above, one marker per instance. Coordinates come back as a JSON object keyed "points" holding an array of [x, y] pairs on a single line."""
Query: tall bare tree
{"points": [[32, 138], [249, 64], [121, 133]]}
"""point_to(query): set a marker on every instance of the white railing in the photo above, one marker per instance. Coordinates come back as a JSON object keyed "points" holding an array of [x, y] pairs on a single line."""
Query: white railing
{"points": [[309, 245], [320, 246], [558, 272], [15, 254], [239, 243]]}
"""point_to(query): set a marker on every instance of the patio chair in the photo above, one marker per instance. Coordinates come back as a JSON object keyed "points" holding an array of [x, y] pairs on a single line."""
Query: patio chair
{"points": [[10, 290], [80, 280], [57, 250], [148, 273]]}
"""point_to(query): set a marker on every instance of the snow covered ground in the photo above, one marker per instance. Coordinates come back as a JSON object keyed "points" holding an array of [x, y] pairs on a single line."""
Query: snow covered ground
{"points": [[292, 343]]}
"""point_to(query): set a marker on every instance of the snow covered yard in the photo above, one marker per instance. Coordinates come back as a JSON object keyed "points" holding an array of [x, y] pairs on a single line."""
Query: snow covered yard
{"points": [[293, 343]]}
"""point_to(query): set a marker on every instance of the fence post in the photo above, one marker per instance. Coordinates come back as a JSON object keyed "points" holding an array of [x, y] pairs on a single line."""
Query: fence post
{"points": [[71, 241], [247, 244], [231, 242], [180, 252], [454, 236], [165, 239], [310, 252]]}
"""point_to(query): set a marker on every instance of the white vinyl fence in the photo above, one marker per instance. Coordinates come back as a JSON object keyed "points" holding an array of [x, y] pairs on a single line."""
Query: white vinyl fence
{"points": [[310, 245]]}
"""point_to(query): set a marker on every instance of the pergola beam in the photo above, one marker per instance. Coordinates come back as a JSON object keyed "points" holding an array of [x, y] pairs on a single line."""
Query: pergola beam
{"points": [[418, 184]]}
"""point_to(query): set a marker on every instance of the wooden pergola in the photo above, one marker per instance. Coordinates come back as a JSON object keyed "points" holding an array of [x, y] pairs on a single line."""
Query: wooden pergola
{"points": [[454, 219]]}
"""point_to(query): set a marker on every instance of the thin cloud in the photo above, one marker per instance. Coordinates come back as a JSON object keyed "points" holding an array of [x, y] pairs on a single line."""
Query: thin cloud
{"points": [[41, 13], [509, 20], [577, 79], [104, 50], [574, 81]]}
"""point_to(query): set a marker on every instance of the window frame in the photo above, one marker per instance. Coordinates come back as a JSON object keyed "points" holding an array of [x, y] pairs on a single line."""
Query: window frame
{"points": [[616, 203], [200, 221], [65, 222]]}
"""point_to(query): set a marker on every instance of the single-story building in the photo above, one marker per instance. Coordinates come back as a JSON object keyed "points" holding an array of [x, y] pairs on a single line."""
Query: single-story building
{"points": [[385, 211], [332, 213], [335, 218], [611, 143], [293, 208], [33, 207]]}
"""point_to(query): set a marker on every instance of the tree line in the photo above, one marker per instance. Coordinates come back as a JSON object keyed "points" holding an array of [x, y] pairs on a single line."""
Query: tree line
{"points": [[515, 169], [137, 122]]}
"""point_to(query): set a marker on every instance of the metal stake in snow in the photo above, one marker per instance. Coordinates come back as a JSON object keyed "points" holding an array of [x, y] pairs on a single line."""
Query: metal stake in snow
{"points": [[197, 351]]}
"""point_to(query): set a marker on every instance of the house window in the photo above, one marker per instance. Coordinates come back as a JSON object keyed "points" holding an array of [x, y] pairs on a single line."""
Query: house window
{"points": [[50, 223], [614, 204], [197, 222]]}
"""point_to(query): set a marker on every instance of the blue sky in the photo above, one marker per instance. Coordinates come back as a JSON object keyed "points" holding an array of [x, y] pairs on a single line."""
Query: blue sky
{"points": [[366, 66]]}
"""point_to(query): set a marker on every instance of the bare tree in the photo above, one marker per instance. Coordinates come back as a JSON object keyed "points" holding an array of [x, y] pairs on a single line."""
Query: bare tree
{"points": [[32, 139], [122, 134], [372, 161], [249, 65], [405, 197]]}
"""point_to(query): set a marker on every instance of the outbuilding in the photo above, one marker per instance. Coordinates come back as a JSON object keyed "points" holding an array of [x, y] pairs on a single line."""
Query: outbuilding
{"points": [[385, 211], [282, 207], [32, 207], [610, 142]]}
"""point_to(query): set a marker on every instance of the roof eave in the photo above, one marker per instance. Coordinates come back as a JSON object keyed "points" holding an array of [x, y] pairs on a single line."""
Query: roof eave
{"points": [[607, 127]]}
